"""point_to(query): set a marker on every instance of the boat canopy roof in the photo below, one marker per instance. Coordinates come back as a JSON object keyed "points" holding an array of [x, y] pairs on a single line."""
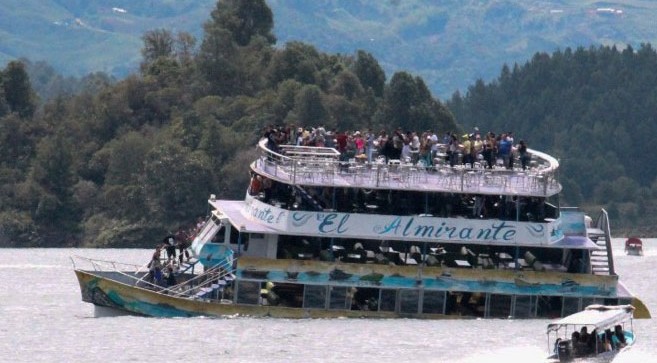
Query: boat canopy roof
{"points": [[633, 241], [599, 316]]}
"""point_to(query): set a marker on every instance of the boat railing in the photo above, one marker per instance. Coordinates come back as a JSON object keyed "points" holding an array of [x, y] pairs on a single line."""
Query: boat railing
{"points": [[325, 169], [184, 288], [104, 265], [602, 222], [205, 279], [113, 266]]}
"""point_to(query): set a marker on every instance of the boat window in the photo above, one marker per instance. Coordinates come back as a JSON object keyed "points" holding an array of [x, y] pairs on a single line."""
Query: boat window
{"points": [[388, 300], [549, 306], [433, 302], [289, 295], [465, 303], [499, 306], [365, 298], [610, 301], [234, 234], [408, 301], [338, 298], [314, 296], [524, 307], [586, 301], [625, 301], [248, 292], [220, 235], [570, 306], [236, 238]]}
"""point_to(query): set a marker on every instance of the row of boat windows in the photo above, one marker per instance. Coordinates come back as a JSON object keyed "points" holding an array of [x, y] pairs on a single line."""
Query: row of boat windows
{"points": [[412, 301], [432, 254], [421, 253], [401, 202]]}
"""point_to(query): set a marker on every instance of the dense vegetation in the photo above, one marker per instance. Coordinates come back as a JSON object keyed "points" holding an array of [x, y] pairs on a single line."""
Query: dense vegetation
{"points": [[106, 163], [592, 108], [100, 162], [449, 43]]}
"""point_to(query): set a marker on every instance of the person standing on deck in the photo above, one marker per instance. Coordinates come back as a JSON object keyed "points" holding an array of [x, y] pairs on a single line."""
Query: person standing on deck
{"points": [[504, 150], [155, 267], [522, 153], [369, 144], [182, 243]]}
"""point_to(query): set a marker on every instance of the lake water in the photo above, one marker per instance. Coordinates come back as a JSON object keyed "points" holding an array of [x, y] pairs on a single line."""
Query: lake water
{"points": [[42, 319]]}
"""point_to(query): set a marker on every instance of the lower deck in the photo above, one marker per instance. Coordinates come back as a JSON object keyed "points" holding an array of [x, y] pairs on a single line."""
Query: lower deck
{"points": [[421, 289]]}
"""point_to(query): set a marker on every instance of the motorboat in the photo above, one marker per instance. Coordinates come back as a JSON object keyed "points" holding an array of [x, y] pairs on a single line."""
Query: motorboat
{"points": [[634, 246], [598, 331]]}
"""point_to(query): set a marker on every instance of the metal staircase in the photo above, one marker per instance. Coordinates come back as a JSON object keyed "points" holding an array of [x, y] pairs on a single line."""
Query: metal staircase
{"points": [[309, 198], [602, 260]]}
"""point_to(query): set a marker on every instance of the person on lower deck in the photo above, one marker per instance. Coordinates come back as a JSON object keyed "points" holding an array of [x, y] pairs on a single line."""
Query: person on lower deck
{"points": [[171, 276], [182, 243], [608, 340], [619, 337], [155, 267], [170, 246]]}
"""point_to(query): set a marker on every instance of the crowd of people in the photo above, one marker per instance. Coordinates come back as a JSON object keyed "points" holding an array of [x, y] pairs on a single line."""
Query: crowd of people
{"points": [[586, 343], [426, 147], [161, 271]]}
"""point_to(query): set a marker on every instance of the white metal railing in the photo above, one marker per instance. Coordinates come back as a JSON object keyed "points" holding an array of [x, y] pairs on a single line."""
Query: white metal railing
{"points": [[540, 179], [185, 288]]}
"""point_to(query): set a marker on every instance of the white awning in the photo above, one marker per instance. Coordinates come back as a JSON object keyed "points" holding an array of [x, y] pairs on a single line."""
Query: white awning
{"points": [[233, 210], [599, 316], [576, 242]]}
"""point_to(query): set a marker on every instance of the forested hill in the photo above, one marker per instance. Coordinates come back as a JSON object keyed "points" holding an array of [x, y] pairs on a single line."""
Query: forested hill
{"points": [[592, 108], [120, 164], [448, 43]]}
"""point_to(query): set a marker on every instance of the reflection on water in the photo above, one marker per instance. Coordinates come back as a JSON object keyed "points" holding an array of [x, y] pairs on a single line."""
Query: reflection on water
{"points": [[43, 319]]}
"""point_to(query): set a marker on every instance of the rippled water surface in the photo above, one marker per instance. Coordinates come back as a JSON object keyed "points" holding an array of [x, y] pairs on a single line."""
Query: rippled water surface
{"points": [[43, 319]]}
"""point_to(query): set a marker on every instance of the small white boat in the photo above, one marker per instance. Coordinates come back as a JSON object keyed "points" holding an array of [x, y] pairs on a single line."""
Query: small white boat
{"points": [[598, 331], [634, 246]]}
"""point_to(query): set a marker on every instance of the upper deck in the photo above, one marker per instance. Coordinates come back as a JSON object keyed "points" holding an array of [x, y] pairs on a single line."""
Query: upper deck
{"points": [[321, 166]]}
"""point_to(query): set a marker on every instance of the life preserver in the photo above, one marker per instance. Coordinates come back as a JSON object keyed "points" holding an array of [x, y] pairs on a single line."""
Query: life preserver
{"points": [[255, 186]]}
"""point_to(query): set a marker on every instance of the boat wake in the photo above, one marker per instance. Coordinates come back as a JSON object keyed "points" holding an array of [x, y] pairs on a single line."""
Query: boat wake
{"points": [[509, 354]]}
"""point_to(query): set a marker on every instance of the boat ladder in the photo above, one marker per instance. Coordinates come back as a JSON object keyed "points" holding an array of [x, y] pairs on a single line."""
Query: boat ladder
{"points": [[214, 289], [211, 283], [602, 261], [187, 265]]}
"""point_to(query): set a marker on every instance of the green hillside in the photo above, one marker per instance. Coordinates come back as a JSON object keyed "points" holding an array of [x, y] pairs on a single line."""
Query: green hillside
{"points": [[116, 162], [80, 37], [449, 43]]}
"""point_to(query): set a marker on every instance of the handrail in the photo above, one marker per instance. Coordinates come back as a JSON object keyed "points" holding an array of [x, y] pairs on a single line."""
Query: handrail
{"points": [[603, 224], [541, 180], [209, 272], [174, 290]]}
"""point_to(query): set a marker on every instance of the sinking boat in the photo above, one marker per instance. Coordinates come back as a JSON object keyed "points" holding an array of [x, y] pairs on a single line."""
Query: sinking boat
{"points": [[320, 235]]}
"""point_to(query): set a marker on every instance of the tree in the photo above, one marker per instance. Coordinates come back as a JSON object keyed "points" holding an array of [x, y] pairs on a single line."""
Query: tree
{"points": [[244, 19], [370, 73], [126, 159], [217, 61], [297, 61], [309, 107], [48, 191], [17, 90], [158, 43], [347, 84], [16, 147], [176, 180]]}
